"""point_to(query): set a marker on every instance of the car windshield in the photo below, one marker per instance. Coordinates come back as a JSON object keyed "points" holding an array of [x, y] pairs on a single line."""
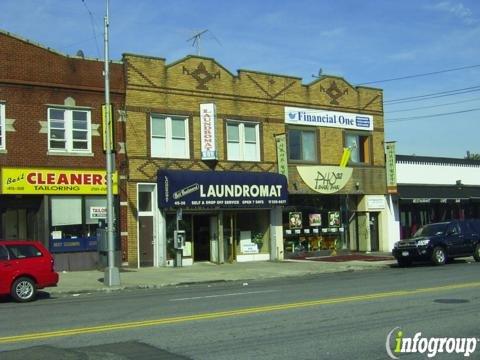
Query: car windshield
{"points": [[431, 229]]}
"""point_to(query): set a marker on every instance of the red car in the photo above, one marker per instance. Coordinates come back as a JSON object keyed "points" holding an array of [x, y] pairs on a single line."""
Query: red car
{"points": [[25, 267]]}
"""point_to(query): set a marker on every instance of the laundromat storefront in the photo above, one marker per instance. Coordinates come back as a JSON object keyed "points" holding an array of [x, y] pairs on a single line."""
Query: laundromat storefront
{"points": [[59, 207], [227, 216]]}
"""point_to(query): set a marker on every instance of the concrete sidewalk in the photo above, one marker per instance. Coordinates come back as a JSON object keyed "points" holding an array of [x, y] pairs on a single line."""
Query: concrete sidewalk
{"points": [[89, 281]]}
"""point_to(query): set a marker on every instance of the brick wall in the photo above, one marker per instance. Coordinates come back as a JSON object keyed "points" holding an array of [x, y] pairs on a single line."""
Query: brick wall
{"points": [[180, 87], [33, 77]]}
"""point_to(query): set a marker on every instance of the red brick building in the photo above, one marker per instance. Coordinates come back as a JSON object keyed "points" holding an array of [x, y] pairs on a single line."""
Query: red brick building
{"points": [[52, 161]]}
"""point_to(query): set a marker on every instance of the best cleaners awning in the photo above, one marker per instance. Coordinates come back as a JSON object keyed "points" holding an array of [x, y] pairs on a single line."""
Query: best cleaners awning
{"points": [[224, 189]]}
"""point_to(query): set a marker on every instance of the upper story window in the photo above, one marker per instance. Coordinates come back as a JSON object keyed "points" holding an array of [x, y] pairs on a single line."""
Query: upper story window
{"points": [[69, 130], [169, 137], [302, 145], [2, 126], [243, 141], [360, 148]]}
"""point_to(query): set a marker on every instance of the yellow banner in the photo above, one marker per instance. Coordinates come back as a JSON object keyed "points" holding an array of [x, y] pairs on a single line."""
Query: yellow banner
{"points": [[107, 125], [55, 181], [345, 157], [282, 162]]}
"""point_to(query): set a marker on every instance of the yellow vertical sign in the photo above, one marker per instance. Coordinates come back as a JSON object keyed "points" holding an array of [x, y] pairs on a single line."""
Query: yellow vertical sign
{"points": [[107, 125], [391, 167], [282, 162]]}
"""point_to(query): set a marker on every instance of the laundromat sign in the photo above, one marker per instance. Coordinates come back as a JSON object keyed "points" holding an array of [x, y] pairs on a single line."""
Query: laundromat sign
{"points": [[229, 189], [55, 181]]}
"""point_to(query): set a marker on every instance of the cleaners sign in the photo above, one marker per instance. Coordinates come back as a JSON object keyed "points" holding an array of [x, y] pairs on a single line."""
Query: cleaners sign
{"points": [[313, 117], [229, 189], [55, 181]]}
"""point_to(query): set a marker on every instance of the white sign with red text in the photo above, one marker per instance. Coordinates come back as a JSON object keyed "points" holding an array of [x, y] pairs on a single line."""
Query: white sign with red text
{"points": [[207, 124]]}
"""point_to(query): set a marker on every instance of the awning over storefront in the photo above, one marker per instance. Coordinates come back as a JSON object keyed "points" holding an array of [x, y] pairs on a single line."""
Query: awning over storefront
{"points": [[225, 189], [438, 193]]}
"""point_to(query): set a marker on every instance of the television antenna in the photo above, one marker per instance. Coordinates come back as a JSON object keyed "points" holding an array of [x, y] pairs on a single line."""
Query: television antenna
{"points": [[195, 39]]}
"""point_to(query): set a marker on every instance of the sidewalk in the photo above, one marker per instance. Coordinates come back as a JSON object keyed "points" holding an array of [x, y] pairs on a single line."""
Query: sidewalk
{"points": [[130, 278]]}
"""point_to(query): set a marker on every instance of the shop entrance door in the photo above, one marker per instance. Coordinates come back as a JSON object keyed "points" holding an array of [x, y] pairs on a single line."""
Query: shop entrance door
{"points": [[201, 240], [15, 224], [229, 225], [145, 232], [374, 240]]}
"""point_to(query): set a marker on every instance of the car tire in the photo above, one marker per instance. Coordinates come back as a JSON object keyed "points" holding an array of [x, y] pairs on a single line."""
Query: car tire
{"points": [[24, 289], [404, 262], [476, 253], [439, 256]]}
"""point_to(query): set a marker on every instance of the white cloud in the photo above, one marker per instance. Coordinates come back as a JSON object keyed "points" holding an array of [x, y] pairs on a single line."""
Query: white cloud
{"points": [[456, 9]]}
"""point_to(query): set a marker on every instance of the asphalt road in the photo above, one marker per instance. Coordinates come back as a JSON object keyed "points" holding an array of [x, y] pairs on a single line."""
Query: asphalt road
{"points": [[344, 315]]}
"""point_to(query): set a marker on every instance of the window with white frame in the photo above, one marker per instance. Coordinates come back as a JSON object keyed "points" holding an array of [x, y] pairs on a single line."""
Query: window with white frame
{"points": [[69, 130], [169, 137], [243, 141], [2, 126]]}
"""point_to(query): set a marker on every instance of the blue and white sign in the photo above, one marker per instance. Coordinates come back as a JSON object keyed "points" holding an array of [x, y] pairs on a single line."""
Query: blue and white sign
{"points": [[223, 189], [314, 117]]}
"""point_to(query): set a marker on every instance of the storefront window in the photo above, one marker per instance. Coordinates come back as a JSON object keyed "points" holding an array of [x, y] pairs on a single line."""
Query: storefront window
{"points": [[313, 226], [74, 222], [252, 233]]}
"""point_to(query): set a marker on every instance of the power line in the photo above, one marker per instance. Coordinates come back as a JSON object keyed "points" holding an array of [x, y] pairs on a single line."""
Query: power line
{"points": [[421, 75], [434, 106], [93, 27], [430, 116], [433, 95]]}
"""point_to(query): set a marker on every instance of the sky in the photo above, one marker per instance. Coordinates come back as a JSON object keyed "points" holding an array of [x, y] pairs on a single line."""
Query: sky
{"points": [[427, 50]]}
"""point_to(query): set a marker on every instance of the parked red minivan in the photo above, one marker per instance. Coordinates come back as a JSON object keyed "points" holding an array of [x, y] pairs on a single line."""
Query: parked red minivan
{"points": [[25, 267]]}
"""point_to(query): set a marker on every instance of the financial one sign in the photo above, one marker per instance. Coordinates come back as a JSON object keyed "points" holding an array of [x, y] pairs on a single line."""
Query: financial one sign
{"points": [[325, 179], [327, 118], [207, 132], [220, 189]]}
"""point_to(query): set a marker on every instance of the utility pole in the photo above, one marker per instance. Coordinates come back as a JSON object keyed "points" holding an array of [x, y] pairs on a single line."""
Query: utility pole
{"points": [[112, 273]]}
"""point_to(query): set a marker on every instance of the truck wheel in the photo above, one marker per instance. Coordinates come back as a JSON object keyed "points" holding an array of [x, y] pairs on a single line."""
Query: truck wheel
{"points": [[476, 253], [24, 289], [439, 257]]}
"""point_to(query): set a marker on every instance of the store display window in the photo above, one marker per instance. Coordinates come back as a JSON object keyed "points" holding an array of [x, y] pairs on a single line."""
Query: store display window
{"points": [[74, 221]]}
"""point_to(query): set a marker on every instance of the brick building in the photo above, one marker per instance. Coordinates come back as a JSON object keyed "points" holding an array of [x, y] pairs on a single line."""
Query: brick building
{"points": [[51, 153], [205, 149]]}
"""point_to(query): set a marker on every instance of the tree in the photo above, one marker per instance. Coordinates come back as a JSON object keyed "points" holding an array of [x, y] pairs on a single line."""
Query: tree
{"points": [[472, 156]]}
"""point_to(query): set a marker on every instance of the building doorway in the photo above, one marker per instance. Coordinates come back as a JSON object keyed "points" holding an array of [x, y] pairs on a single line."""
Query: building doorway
{"points": [[374, 239], [201, 242]]}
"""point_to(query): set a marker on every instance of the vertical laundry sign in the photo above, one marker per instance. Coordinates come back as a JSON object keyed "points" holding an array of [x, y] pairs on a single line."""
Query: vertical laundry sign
{"points": [[207, 124]]}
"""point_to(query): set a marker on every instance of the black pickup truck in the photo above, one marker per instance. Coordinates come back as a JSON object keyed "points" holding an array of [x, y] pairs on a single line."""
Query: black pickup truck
{"points": [[440, 242]]}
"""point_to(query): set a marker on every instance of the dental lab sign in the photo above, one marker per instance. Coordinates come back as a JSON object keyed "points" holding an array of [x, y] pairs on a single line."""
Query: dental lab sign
{"points": [[55, 181], [313, 117], [229, 189]]}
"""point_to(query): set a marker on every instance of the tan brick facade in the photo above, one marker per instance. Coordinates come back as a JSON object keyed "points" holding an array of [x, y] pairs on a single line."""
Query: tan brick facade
{"points": [[152, 86]]}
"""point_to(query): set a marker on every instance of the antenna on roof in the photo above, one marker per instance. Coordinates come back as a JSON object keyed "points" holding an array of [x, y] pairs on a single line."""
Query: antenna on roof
{"points": [[80, 54], [320, 71], [195, 39]]}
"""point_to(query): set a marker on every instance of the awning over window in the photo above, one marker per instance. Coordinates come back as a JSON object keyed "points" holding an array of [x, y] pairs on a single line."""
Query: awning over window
{"points": [[438, 193], [221, 189]]}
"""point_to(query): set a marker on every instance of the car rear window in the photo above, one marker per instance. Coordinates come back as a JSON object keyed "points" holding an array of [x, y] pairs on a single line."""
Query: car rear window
{"points": [[23, 251], [3, 253]]}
